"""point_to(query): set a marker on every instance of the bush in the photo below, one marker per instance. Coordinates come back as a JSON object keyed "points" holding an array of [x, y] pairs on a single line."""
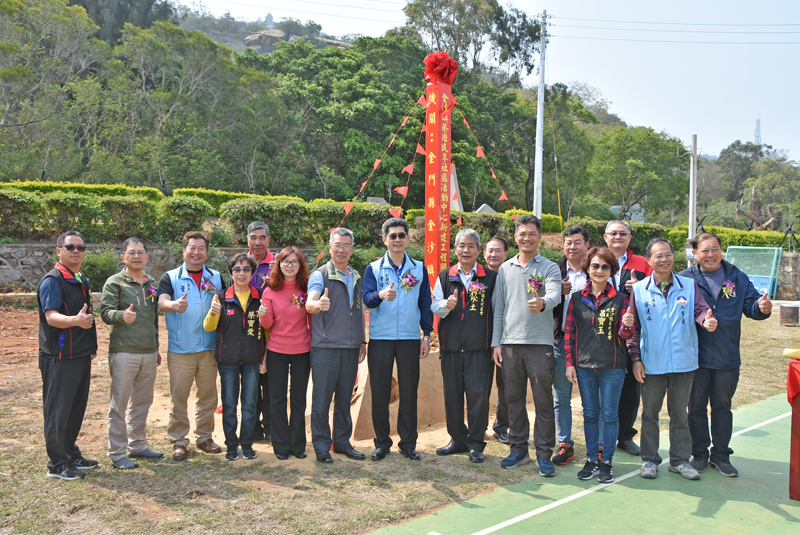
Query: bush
{"points": [[20, 213], [99, 266], [729, 236], [179, 215], [73, 211], [127, 215], [85, 189], [642, 232], [213, 197], [550, 222]]}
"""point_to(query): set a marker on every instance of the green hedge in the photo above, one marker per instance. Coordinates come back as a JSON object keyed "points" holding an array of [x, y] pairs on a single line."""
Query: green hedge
{"points": [[115, 190], [213, 197], [729, 236], [642, 232], [485, 224], [19, 213]]}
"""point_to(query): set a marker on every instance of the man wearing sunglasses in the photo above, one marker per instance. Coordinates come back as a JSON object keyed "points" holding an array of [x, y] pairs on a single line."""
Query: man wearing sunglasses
{"points": [[633, 268], [258, 243], [397, 292], [67, 346]]}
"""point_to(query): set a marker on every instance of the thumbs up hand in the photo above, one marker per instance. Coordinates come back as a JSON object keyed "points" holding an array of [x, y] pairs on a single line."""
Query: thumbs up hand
{"points": [[536, 304], [129, 316], [764, 304], [630, 282], [181, 304], [627, 318], [389, 293], [325, 302], [566, 286], [262, 310], [83, 319], [216, 306], [452, 301], [710, 322]]}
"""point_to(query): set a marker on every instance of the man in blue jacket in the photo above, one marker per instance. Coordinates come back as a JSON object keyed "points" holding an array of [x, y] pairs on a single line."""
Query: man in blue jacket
{"points": [[730, 294], [398, 295]]}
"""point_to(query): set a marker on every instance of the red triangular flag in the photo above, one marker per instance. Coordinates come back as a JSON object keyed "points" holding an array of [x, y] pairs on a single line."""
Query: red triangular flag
{"points": [[455, 102], [408, 169], [376, 164], [347, 207], [455, 196], [392, 141], [494, 176], [422, 101], [514, 217], [395, 212], [320, 256], [402, 190], [459, 222], [503, 197], [447, 110], [425, 127], [405, 120], [420, 150], [480, 152], [334, 228], [363, 185], [466, 123]]}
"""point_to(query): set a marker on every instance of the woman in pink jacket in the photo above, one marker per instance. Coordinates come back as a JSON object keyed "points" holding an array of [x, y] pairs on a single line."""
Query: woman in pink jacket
{"points": [[288, 351]]}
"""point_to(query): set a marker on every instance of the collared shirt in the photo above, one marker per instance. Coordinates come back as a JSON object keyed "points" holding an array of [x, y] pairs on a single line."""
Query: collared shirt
{"points": [[439, 306], [535, 259], [621, 260], [315, 283], [261, 274], [578, 280]]}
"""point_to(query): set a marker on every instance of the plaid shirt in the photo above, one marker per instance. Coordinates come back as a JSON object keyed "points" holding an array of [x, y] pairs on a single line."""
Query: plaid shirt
{"points": [[589, 298]]}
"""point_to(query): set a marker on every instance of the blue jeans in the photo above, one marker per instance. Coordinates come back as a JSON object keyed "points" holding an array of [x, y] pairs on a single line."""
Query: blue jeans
{"points": [[563, 396], [600, 390], [231, 375]]}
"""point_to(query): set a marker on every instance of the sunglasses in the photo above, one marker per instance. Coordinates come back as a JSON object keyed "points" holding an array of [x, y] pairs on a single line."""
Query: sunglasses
{"points": [[72, 247], [401, 235], [599, 267], [237, 269]]}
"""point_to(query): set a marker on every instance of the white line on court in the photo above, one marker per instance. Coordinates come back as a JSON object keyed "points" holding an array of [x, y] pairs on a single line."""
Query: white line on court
{"points": [[581, 494]]}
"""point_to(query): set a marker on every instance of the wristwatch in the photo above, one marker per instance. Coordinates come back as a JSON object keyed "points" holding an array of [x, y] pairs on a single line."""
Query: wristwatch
{"points": [[426, 338]]}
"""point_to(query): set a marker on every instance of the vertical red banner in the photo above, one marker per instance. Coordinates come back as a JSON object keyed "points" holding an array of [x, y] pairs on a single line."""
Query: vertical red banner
{"points": [[437, 179]]}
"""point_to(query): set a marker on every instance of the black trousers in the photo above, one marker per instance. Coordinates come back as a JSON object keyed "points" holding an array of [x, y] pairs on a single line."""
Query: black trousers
{"points": [[467, 374], [288, 435], [629, 405], [500, 425], [382, 355], [262, 407], [714, 387], [65, 392]]}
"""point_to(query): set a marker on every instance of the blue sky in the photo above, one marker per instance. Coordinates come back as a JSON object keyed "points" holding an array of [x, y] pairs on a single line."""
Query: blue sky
{"points": [[683, 87]]}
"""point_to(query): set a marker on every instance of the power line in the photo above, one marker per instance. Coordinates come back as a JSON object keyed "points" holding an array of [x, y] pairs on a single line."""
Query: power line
{"points": [[670, 31], [671, 23], [676, 42]]}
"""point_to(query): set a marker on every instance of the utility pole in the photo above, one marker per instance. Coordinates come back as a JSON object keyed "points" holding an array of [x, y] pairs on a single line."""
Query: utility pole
{"points": [[537, 170], [693, 190]]}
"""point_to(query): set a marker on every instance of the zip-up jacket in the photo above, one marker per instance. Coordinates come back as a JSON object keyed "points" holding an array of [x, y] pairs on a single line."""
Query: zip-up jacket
{"points": [[120, 292], [186, 333], [73, 342], [719, 350], [342, 326], [636, 263], [595, 334], [240, 337], [468, 327]]}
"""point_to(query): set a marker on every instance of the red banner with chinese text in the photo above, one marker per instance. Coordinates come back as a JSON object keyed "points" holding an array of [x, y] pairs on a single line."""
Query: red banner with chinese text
{"points": [[437, 179]]}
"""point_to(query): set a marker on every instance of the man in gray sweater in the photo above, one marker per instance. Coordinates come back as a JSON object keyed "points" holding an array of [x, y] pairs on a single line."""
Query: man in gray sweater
{"points": [[528, 288]]}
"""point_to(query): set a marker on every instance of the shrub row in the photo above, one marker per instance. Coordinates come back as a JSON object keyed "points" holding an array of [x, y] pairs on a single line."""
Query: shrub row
{"points": [[642, 232], [213, 197], [729, 236], [116, 190], [485, 224]]}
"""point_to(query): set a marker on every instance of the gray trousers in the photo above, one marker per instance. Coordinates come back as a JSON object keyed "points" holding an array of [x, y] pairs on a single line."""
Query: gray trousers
{"points": [[333, 372], [521, 364], [677, 387], [133, 377]]}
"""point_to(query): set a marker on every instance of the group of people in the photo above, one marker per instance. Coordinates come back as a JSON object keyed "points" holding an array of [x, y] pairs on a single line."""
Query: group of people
{"points": [[619, 326]]}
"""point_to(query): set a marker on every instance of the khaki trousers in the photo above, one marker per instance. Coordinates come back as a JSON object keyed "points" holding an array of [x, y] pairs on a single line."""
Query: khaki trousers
{"points": [[185, 368], [133, 377]]}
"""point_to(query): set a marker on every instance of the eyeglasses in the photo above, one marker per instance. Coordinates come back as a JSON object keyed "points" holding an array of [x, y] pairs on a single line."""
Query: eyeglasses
{"points": [[620, 233], [237, 269], [661, 257], [135, 253], [599, 267], [290, 263], [72, 247], [401, 235], [340, 246]]}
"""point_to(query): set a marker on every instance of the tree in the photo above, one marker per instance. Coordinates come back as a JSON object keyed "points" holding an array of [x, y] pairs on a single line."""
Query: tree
{"points": [[737, 161], [112, 15]]}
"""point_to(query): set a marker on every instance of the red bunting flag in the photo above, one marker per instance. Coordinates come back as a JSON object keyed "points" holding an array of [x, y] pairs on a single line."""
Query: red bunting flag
{"points": [[402, 190], [514, 217], [420, 150], [480, 152], [363, 185], [392, 141], [455, 102], [503, 197], [422, 101], [455, 196], [334, 228], [320, 256], [376, 164], [466, 123], [405, 120], [347, 207], [459, 222], [395, 212], [425, 127], [494, 176], [408, 169]]}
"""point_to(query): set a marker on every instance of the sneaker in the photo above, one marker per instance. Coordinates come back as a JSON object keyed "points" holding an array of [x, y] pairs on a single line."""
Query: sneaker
{"points": [[514, 460], [146, 453], [67, 473], [123, 463], [606, 473], [232, 454], [249, 453], [589, 470], [649, 470], [83, 464], [501, 437], [699, 464], [685, 470], [725, 468], [599, 453], [564, 454], [546, 468]]}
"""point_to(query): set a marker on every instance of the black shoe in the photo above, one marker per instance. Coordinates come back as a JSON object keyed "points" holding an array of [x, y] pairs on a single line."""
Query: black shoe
{"points": [[67, 473], [606, 473], [352, 453], [380, 453], [452, 448], [410, 454], [281, 456], [324, 457], [249, 453], [82, 464], [300, 455], [564, 454], [589, 470], [501, 437], [629, 446], [476, 456]]}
